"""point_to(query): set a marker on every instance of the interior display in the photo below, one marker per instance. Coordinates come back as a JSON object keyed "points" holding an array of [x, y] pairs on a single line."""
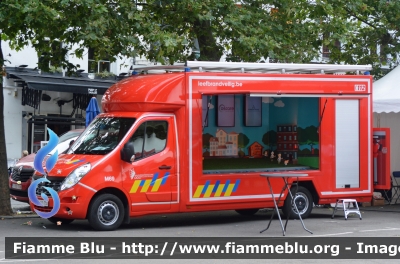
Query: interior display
{"points": [[226, 111], [282, 135], [253, 111]]}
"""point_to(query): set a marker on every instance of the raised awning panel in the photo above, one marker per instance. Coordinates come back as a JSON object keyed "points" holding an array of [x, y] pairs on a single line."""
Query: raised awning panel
{"points": [[79, 84], [65, 84]]}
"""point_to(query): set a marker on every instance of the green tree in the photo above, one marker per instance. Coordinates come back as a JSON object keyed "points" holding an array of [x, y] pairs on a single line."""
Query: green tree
{"points": [[206, 141], [109, 28], [243, 140], [352, 32], [368, 31], [285, 30], [242, 32], [270, 139], [308, 135]]}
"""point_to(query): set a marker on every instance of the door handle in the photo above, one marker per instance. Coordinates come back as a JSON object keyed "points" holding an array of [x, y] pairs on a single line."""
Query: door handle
{"points": [[164, 167]]}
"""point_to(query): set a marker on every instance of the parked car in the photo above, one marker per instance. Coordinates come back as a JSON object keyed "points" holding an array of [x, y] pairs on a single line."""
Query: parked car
{"points": [[21, 174]]}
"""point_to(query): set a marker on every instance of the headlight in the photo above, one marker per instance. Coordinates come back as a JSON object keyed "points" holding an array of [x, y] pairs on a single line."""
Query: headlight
{"points": [[75, 176]]}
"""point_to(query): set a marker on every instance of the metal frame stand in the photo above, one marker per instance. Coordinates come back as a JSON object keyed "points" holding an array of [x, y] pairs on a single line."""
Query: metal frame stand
{"points": [[346, 210], [286, 186]]}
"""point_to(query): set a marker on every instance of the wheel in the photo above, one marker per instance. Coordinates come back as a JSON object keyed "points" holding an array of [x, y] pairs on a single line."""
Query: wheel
{"points": [[106, 212], [63, 221], [303, 200], [247, 211]]}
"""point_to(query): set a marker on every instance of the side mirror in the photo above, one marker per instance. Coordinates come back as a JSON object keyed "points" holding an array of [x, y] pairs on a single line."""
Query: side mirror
{"points": [[128, 152], [69, 147]]}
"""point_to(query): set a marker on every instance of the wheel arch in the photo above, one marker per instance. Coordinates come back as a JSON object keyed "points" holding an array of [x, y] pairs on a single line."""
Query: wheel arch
{"points": [[117, 192], [310, 187]]}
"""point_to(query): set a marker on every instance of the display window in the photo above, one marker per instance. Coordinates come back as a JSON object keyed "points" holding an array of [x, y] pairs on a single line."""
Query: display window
{"points": [[260, 133]]}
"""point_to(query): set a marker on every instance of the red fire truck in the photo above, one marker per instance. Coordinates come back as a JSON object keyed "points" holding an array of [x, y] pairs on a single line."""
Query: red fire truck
{"points": [[196, 137]]}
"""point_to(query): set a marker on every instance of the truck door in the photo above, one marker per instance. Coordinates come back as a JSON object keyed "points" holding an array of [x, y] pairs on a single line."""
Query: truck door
{"points": [[151, 179]]}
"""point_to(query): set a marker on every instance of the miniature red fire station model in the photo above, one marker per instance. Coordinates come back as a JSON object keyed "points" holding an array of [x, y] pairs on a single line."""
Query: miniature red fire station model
{"points": [[196, 137]]}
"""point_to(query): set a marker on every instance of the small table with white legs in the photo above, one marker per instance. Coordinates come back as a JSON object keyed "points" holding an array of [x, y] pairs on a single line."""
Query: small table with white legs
{"points": [[285, 176]]}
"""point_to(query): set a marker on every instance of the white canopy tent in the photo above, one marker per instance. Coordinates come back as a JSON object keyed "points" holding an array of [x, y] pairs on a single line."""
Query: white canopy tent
{"points": [[386, 100], [386, 93]]}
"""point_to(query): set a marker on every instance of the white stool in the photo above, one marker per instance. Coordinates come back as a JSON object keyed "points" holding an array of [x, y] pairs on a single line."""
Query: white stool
{"points": [[347, 209]]}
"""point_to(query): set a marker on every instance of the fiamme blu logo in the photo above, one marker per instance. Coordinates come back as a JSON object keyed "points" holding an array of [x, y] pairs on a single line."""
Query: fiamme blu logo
{"points": [[35, 189]]}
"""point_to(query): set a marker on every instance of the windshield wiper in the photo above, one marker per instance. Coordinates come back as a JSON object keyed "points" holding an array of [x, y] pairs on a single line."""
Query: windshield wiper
{"points": [[93, 152]]}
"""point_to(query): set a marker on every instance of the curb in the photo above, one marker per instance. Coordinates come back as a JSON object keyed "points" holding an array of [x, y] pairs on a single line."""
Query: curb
{"points": [[381, 209], [18, 216]]}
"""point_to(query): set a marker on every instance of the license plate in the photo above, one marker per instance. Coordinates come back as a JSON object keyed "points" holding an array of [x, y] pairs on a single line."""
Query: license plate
{"points": [[16, 186], [44, 203]]}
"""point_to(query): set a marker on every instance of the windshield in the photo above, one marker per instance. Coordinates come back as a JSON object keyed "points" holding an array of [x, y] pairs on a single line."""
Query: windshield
{"points": [[102, 136]]}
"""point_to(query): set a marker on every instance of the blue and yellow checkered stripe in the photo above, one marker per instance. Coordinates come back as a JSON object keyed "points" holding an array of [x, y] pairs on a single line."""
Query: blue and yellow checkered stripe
{"points": [[150, 185], [216, 190]]}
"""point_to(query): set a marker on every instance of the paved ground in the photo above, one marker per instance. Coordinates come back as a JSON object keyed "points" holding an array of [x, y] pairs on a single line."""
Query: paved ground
{"points": [[379, 222], [24, 208], [18, 206]]}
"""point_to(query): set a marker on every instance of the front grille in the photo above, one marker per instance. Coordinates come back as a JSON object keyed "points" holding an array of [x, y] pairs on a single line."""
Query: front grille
{"points": [[19, 193], [43, 209], [55, 184], [22, 174]]}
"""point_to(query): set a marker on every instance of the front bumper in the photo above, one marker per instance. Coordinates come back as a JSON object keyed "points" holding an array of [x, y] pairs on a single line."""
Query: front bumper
{"points": [[19, 190], [74, 203]]}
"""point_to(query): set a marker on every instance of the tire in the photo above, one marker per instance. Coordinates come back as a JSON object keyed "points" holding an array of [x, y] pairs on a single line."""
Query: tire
{"points": [[303, 200], [63, 221], [106, 212], [247, 212]]}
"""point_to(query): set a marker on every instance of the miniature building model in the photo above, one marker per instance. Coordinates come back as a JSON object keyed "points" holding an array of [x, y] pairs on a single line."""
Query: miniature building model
{"points": [[224, 144], [255, 150], [287, 144]]}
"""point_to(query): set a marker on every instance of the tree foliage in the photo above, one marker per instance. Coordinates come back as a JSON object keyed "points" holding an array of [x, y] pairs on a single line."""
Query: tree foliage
{"points": [[352, 32], [206, 140], [110, 27], [270, 139], [308, 135], [243, 140], [368, 31], [245, 32]]}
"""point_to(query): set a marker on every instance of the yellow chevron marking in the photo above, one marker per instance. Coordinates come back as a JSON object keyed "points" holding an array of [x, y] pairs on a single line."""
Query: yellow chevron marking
{"points": [[135, 186], [198, 191], [229, 190], [219, 190], [156, 185], [146, 186], [209, 190]]}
